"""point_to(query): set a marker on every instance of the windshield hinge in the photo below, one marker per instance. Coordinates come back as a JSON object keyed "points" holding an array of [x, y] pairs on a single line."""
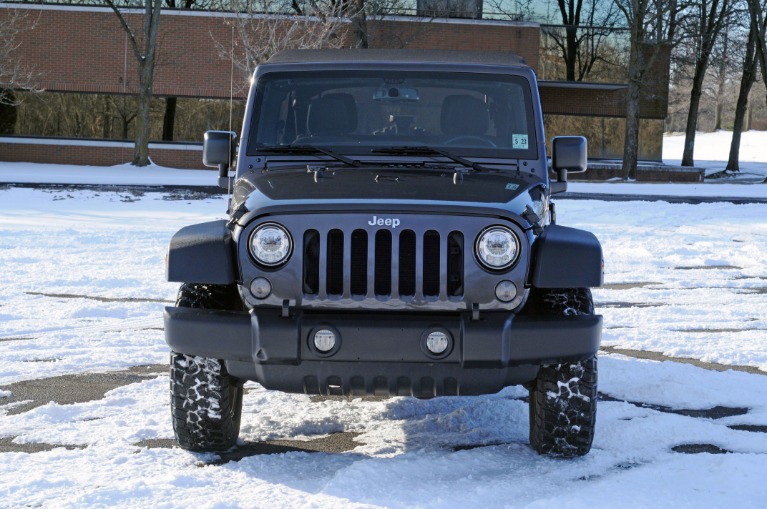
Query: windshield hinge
{"points": [[533, 219]]}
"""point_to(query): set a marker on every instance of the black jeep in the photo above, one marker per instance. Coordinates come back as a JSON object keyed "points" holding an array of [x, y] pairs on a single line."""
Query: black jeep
{"points": [[390, 232]]}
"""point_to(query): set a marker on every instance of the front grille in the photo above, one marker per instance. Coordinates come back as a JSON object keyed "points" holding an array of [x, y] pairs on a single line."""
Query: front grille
{"points": [[383, 264]]}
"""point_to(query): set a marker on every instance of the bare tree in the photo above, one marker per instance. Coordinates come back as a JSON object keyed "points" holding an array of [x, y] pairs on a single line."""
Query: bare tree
{"points": [[587, 23], [747, 80], [710, 16], [650, 22], [144, 49], [14, 75], [262, 28]]}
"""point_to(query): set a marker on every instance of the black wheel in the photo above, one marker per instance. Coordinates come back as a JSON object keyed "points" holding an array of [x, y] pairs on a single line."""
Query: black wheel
{"points": [[563, 397], [206, 403]]}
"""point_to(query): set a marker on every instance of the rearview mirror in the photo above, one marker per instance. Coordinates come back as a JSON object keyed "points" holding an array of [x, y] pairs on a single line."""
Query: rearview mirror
{"points": [[568, 154], [218, 152]]}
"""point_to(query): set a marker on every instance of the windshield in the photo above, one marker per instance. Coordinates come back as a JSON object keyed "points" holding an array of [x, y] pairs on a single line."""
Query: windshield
{"points": [[359, 111]]}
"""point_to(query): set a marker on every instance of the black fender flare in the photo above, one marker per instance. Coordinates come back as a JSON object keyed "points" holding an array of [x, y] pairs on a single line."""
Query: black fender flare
{"points": [[202, 253], [566, 258]]}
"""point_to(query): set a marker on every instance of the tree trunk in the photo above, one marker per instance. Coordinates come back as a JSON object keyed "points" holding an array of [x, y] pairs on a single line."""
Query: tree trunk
{"points": [[146, 78], [711, 23], [169, 120], [360, 31], [572, 51], [636, 76], [741, 108], [723, 62], [141, 145], [631, 140], [692, 114]]}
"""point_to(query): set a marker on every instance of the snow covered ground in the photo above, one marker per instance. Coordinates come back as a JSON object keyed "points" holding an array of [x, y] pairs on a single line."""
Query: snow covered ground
{"points": [[82, 289]]}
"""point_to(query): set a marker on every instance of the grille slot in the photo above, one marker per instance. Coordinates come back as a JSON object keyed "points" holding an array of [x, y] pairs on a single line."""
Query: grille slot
{"points": [[311, 262], [335, 263], [359, 263], [431, 264], [407, 263], [383, 264]]}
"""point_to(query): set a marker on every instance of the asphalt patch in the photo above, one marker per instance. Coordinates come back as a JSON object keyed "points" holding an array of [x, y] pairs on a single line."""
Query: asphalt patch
{"points": [[70, 389], [699, 449], [719, 331], [753, 291], [709, 267], [20, 338], [717, 412], [97, 298], [625, 305], [629, 286], [7, 445], [129, 191], [335, 443], [753, 428], [656, 356]]}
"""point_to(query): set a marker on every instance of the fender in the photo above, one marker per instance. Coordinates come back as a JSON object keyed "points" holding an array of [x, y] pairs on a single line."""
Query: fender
{"points": [[202, 253], [566, 258]]}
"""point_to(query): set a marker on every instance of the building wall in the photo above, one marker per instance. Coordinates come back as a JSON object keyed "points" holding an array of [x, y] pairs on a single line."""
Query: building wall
{"points": [[84, 49], [97, 153]]}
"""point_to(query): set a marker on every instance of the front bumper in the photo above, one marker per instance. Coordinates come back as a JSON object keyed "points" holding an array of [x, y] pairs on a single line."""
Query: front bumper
{"points": [[382, 353]]}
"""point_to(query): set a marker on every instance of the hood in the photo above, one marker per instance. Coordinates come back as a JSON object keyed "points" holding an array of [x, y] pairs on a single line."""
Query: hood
{"points": [[391, 186]]}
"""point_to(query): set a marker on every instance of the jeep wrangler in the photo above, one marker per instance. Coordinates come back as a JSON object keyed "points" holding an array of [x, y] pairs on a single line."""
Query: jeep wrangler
{"points": [[389, 232]]}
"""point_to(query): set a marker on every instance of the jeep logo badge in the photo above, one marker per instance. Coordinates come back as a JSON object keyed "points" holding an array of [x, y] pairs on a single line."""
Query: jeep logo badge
{"points": [[393, 222]]}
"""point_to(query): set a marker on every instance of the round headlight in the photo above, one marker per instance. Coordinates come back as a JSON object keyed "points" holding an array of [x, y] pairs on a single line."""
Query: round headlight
{"points": [[497, 248], [271, 244]]}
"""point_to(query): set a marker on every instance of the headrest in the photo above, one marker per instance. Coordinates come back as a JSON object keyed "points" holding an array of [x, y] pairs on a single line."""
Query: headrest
{"points": [[464, 115], [332, 114]]}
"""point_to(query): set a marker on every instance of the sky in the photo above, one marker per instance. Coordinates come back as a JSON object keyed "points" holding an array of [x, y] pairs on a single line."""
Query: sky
{"points": [[83, 290]]}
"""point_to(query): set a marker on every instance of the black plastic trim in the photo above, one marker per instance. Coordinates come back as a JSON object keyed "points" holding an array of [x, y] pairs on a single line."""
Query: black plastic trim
{"points": [[274, 351], [566, 258], [202, 253]]}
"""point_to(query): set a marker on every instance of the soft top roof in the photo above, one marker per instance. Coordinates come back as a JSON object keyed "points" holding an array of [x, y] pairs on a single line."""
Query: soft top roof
{"points": [[388, 55]]}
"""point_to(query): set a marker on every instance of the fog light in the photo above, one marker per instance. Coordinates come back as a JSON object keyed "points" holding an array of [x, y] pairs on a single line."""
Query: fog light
{"points": [[324, 340], [261, 288], [437, 342], [506, 291]]}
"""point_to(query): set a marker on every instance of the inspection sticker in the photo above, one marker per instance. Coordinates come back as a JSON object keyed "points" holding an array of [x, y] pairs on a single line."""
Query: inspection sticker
{"points": [[519, 141]]}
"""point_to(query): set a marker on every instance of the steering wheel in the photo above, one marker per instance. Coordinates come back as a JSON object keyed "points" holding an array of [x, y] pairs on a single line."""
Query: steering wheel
{"points": [[482, 141]]}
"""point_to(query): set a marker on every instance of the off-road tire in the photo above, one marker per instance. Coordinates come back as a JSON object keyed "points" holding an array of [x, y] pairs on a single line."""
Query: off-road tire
{"points": [[206, 403], [559, 302], [202, 296], [563, 397]]}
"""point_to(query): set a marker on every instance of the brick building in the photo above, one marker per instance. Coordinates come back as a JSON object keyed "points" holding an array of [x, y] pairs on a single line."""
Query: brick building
{"points": [[84, 49]]}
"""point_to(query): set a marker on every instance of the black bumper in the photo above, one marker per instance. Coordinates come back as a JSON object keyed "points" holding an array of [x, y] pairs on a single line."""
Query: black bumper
{"points": [[382, 353]]}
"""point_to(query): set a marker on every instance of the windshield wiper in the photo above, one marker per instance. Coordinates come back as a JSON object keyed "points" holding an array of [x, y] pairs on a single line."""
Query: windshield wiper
{"points": [[310, 149], [424, 150]]}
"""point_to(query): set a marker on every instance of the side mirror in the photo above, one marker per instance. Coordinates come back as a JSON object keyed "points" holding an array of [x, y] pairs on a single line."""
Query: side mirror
{"points": [[218, 152], [568, 154]]}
